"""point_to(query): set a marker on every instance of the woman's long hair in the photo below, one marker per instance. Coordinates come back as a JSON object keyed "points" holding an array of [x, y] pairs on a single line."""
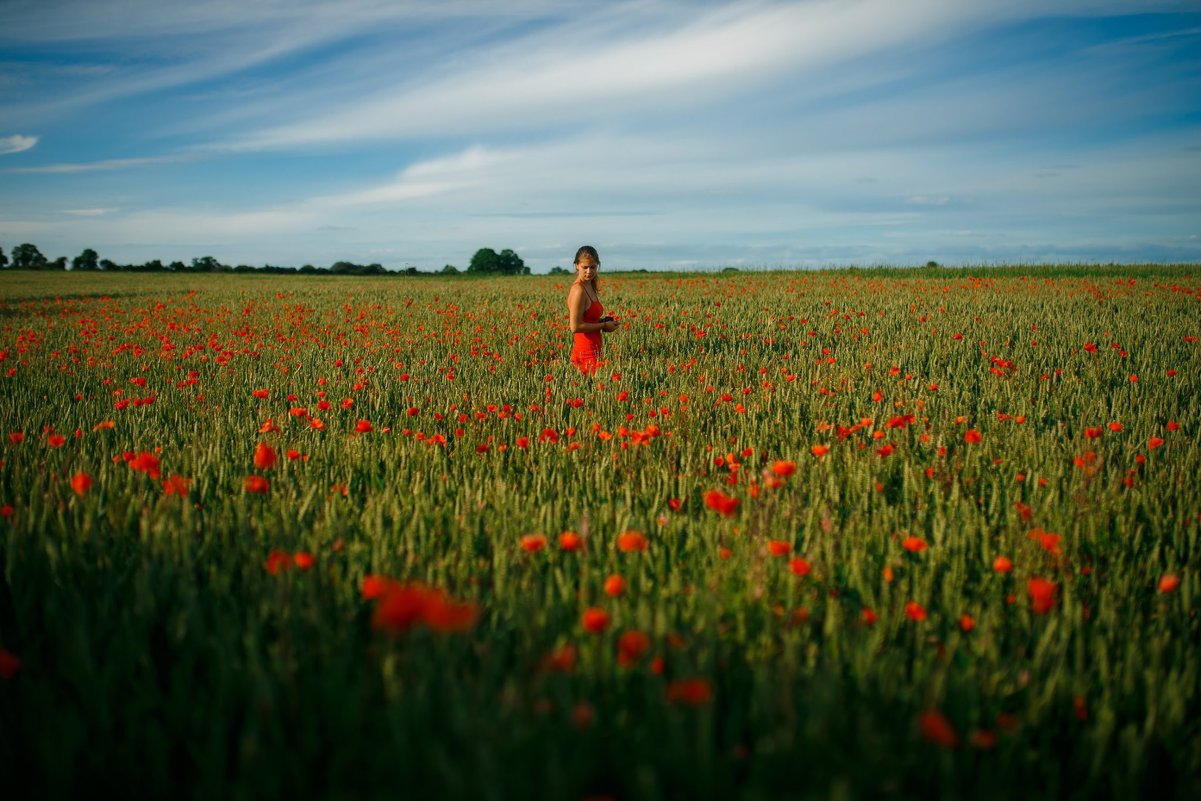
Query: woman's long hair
{"points": [[588, 250]]}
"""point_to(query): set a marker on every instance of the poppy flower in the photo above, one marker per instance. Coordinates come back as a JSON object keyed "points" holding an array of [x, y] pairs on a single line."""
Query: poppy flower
{"points": [[779, 547], [595, 620], [693, 692], [81, 483], [783, 468], [615, 586], [966, 622], [405, 606], [631, 541], [819, 450], [10, 664], [914, 544], [972, 436], [256, 484], [915, 611], [55, 440], [532, 543], [724, 505], [374, 586], [147, 463], [800, 567], [303, 560], [278, 562], [1002, 564], [176, 485], [1154, 442], [631, 647], [16, 437], [1169, 582], [935, 728], [561, 660], [1042, 594], [363, 426], [264, 456], [261, 394], [570, 541]]}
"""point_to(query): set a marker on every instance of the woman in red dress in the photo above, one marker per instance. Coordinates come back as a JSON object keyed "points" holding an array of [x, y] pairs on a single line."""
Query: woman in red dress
{"points": [[586, 312]]}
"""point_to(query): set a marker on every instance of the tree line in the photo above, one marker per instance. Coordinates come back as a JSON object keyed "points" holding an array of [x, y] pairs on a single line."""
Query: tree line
{"points": [[27, 256]]}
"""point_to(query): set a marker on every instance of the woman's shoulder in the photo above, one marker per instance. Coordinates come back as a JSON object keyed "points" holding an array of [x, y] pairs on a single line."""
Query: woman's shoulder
{"points": [[575, 292]]}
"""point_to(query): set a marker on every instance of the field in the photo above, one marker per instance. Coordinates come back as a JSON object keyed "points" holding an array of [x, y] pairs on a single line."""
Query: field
{"points": [[859, 533]]}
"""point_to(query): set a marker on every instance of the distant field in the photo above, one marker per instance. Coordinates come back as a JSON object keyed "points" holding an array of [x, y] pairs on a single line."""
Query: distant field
{"points": [[853, 533]]}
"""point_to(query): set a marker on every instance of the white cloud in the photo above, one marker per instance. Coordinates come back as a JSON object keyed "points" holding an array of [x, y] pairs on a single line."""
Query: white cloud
{"points": [[16, 144]]}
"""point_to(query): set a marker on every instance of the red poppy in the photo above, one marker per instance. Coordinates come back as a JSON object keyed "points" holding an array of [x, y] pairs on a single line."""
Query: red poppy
{"points": [[55, 440], [147, 463], [631, 647], [631, 541], [176, 485], [561, 660], [1042, 594], [915, 611], [570, 541], [783, 468], [595, 620], [81, 483], [966, 622], [277, 562], [374, 586], [935, 728], [724, 505], [914, 544], [16, 437], [1168, 582], [256, 484], [363, 426], [261, 394], [819, 450], [1002, 564], [779, 547], [800, 567], [615, 586], [303, 560], [264, 456], [693, 692], [972, 435], [10, 664], [532, 543], [1154, 442]]}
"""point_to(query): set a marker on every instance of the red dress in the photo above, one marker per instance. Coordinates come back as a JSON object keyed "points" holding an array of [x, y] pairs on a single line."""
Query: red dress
{"points": [[586, 350]]}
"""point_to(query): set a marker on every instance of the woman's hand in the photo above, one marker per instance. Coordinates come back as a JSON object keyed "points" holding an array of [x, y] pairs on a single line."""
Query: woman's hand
{"points": [[609, 326]]}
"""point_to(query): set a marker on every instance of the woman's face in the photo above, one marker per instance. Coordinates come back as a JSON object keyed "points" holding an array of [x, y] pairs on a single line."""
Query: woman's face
{"points": [[586, 268]]}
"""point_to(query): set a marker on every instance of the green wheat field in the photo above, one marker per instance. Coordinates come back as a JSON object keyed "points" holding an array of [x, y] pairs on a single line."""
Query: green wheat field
{"points": [[835, 534]]}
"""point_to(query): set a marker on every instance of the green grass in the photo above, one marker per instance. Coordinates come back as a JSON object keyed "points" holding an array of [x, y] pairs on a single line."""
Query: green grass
{"points": [[157, 651]]}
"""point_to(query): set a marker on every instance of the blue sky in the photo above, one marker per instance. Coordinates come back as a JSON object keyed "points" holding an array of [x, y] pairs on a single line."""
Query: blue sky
{"points": [[668, 134]]}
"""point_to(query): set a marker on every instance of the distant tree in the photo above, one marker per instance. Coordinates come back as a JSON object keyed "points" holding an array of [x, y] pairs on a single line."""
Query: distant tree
{"points": [[308, 269], [207, 264], [932, 264], [152, 266], [243, 268], [58, 264], [487, 260], [88, 260], [28, 257], [178, 267], [450, 269], [559, 271], [3, 259], [109, 266]]}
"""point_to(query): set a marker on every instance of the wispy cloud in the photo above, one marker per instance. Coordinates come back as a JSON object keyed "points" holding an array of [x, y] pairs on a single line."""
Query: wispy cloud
{"points": [[104, 165], [16, 144]]}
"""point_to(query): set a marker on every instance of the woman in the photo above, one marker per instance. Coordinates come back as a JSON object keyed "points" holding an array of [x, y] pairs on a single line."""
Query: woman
{"points": [[586, 312]]}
